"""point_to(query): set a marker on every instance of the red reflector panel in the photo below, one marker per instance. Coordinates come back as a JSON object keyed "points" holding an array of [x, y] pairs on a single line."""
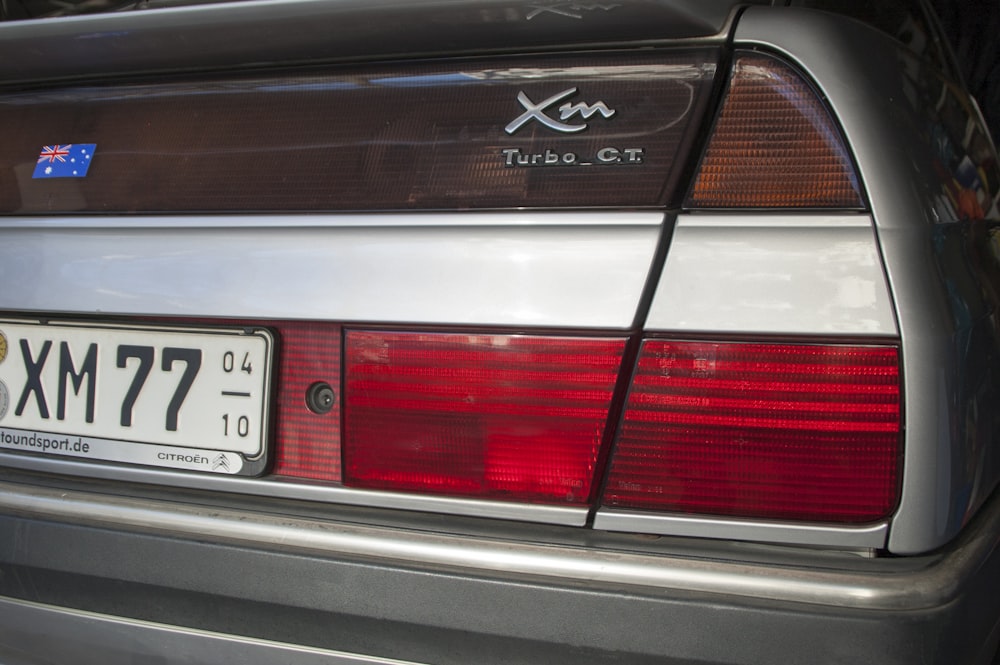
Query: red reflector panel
{"points": [[492, 416], [774, 146], [791, 432], [308, 443]]}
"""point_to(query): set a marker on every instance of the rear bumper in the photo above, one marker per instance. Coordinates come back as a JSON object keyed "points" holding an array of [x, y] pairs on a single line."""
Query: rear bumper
{"points": [[37, 633], [89, 577]]}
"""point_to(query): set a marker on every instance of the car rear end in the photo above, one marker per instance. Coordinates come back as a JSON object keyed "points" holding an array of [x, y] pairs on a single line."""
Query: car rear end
{"points": [[437, 333]]}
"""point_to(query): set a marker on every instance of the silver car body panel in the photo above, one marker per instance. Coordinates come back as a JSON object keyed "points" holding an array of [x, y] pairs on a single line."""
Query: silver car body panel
{"points": [[290, 31], [511, 269], [947, 472], [130, 560], [813, 275], [80, 266], [562, 270]]}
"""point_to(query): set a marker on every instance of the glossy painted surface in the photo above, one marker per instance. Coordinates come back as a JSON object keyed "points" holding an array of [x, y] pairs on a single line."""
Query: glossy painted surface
{"points": [[503, 269], [773, 274], [274, 31]]}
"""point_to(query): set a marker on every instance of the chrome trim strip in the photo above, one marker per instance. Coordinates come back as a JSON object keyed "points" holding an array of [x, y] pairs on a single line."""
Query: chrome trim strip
{"points": [[289, 489], [103, 638], [535, 269], [872, 536], [714, 220], [878, 588], [773, 274], [338, 221]]}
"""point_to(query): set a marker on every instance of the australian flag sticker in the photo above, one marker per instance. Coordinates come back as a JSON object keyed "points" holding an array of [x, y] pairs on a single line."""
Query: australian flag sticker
{"points": [[64, 161]]}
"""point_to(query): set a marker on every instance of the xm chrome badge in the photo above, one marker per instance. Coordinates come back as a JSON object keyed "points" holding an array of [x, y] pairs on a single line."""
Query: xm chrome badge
{"points": [[567, 111]]}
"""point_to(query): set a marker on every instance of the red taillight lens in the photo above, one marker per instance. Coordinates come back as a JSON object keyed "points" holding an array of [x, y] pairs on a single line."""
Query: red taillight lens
{"points": [[490, 416], [782, 431], [774, 146]]}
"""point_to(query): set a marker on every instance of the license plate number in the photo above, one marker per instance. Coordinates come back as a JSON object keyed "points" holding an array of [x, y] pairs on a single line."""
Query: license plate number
{"points": [[186, 399]]}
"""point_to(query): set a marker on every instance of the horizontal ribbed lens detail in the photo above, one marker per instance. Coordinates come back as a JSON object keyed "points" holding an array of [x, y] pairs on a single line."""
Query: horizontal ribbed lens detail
{"points": [[308, 443], [774, 146], [505, 417], [778, 431]]}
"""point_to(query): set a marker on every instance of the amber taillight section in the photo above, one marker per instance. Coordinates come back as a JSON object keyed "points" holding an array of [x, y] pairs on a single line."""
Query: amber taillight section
{"points": [[507, 417], [774, 145], [776, 431]]}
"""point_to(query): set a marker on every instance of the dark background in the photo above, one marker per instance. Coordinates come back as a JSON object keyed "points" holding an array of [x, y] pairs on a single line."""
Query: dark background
{"points": [[973, 26]]}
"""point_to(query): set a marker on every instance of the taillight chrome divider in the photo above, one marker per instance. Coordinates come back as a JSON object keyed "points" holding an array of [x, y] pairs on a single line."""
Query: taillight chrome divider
{"points": [[869, 536], [304, 490]]}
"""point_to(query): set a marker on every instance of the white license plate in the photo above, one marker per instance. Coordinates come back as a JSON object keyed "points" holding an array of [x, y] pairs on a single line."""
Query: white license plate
{"points": [[185, 399]]}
